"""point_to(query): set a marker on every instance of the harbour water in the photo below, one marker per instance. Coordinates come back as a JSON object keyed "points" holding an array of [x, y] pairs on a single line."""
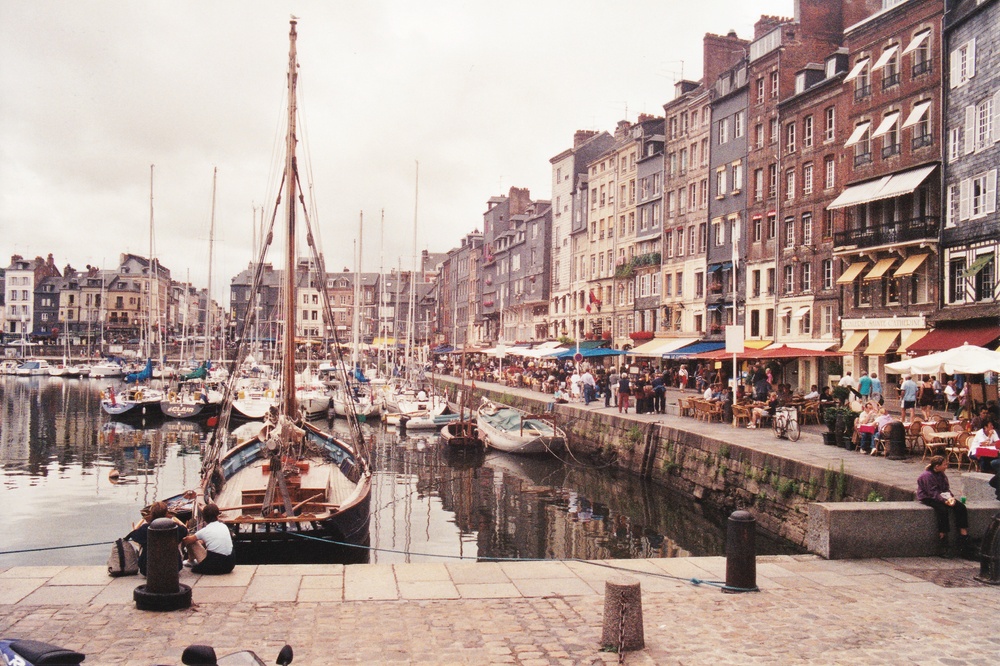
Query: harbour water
{"points": [[71, 477]]}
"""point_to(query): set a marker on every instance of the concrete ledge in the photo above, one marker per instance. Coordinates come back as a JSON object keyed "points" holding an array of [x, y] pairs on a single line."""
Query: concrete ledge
{"points": [[976, 487], [846, 530]]}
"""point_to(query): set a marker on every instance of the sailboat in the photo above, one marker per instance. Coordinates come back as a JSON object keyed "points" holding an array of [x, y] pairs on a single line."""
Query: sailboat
{"points": [[65, 369], [463, 432], [292, 492]]}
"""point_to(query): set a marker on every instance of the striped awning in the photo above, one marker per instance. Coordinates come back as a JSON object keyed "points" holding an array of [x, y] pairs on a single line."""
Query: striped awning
{"points": [[852, 272], [853, 341], [883, 340], [911, 265], [911, 337]]}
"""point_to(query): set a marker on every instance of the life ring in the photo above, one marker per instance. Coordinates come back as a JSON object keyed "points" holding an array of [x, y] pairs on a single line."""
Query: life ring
{"points": [[268, 393], [173, 395], [242, 395], [103, 395]]}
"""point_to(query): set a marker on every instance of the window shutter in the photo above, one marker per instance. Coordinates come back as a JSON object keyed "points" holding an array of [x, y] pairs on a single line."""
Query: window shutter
{"points": [[996, 116], [970, 129], [949, 215], [972, 57], [991, 191], [953, 61], [964, 199]]}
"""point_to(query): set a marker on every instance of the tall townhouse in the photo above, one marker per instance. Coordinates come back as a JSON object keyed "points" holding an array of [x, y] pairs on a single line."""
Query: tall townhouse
{"points": [[622, 220], [71, 321], [594, 304], [649, 221], [727, 204], [456, 291], [970, 242], [809, 305], [47, 308], [888, 217], [569, 226], [781, 51], [522, 269], [21, 292], [496, 260]]}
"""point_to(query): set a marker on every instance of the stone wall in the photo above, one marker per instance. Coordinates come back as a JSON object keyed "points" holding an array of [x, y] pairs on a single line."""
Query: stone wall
{"points": [[722, 474]]}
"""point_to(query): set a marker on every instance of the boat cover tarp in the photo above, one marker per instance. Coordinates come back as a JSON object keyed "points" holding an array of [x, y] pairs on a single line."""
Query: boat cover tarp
{"points": [[144, 375]]}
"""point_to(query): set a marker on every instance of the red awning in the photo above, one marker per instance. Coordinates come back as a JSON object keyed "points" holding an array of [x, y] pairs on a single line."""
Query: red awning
{"points": [[943, 339], [772, 352]]}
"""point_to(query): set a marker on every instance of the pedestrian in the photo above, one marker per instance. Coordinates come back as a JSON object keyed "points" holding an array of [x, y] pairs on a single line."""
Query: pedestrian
{"points": [[613, 386], [876, 392], [925, 398], [589, 387], [865, 386], [624, 392], [682, 378], [933, 490], [908, 390]]}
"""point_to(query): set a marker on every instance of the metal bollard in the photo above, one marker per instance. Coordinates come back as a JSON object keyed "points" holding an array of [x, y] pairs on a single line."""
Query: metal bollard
{"points": [[989, 554], [741, 553], [163, 590], [623, 615]]}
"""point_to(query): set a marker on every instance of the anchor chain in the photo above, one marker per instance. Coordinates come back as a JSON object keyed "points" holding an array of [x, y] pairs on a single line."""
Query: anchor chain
{"points": [[621, 634]]}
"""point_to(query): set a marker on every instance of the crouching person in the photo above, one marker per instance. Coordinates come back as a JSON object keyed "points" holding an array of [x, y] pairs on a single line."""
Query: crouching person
{"points": [[211, 547]]}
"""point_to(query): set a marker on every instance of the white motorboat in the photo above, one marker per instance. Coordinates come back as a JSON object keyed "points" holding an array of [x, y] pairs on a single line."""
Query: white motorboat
{"points": [[509, 429], [33, 368], [106, 369]]}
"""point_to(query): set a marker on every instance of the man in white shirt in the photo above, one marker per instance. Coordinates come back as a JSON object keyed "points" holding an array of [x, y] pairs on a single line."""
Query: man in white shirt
{"points": [[589, 387], [985, 437], [951, 397], [847, 381], [217, 542], [813, 394]]}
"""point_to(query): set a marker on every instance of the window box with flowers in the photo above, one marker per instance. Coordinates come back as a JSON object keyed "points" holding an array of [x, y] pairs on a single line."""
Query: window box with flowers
{"points": [[641, 335], [715, 328]]}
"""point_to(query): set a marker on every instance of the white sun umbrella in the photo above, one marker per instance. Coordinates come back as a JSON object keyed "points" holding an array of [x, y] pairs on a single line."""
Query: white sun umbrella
{"points": [[965, 360]]}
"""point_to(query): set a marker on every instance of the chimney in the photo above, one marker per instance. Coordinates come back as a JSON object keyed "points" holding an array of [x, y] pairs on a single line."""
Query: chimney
{"points": [[720, 54], [519, 198], [621, 131], [855, 11], [581, 137], [766, 24]]}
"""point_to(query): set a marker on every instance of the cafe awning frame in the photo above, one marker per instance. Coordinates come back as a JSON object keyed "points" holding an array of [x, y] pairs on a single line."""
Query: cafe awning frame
{"points": [[883, 340], [852, 272], [853, 341], [881, 268], [910, 266]]}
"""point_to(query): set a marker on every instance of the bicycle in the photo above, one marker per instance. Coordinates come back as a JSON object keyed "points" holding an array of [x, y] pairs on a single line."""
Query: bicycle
{"points": [[786, 423]]}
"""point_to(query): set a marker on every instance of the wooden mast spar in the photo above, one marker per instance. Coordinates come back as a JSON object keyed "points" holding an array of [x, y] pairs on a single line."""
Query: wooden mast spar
{"points": [[288, 348]]}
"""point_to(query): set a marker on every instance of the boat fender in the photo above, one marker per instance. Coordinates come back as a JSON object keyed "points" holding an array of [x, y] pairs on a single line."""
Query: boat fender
{"points": [[242, 395], [103, 395], [269, 393], [173, 395]]}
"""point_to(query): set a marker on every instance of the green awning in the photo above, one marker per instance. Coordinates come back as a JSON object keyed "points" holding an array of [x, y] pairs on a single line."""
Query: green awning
{"points": [[978, 265]]}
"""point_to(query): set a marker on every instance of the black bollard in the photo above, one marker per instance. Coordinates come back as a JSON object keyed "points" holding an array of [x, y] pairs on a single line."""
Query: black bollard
{"points": [[163, 590], [895, 447], [741, 553], [989, 554]]}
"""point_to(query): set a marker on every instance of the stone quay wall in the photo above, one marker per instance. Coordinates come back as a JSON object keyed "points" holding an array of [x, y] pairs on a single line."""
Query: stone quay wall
{"points": [[714, 469]]}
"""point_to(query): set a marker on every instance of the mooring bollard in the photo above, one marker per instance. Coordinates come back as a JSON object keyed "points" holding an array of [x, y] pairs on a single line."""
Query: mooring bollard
{"points": [[741, 553], [163, 590], [989, 554], [623, 615]]}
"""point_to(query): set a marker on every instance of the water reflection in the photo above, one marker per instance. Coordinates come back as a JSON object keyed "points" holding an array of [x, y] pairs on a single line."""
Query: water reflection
{"points": [[65, 467]]}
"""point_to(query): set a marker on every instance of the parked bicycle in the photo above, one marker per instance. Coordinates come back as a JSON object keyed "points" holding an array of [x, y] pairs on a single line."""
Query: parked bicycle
{"points": [[786, 423]]}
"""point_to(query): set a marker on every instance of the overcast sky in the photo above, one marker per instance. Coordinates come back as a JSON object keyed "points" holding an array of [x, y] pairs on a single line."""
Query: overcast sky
{"points": [[481, 94]]}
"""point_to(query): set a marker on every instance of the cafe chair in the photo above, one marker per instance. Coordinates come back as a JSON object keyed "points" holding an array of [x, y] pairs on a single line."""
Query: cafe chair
{"points": [[958, 452], [809, 413], [932, 445], [741, 415], [913, 438]]}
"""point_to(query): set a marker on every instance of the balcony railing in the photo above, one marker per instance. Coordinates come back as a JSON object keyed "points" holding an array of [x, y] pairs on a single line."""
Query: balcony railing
{"points": [[863, 158], [901, 231], [889, 151], [922, 140], [921, 68], [862, 91], [890, 81]]}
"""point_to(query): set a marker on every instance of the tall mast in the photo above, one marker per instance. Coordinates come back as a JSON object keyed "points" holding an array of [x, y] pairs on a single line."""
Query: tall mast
{"points": [[208, 295], [288, 347], [356, 318], [410, 338], [152, 272], [381, 293]]}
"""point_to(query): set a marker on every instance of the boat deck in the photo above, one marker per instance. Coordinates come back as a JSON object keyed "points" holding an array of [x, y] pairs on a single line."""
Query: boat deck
{"points": [[320, 483]]}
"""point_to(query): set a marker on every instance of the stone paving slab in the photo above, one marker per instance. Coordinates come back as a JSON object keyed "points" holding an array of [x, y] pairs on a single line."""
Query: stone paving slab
{"points": [[807, 610]]}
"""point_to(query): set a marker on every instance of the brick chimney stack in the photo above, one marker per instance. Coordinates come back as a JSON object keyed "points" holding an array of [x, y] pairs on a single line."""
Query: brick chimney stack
{"points": [[520, 199], [721, 53], [580, 137]]}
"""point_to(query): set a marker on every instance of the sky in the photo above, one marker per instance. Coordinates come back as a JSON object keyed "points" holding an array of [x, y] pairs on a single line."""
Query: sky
{"points": [[480, 94]]}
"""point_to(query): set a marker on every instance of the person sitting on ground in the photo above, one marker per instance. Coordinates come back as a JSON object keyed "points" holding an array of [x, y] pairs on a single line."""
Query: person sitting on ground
{"points": [[559, 396], [813, 394], [934, 491], [985, 436], [216, 542], [140, 535], [758, 413]]}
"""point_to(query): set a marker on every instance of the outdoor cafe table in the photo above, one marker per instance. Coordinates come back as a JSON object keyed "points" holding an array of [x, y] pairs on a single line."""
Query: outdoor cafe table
{"points": [[941, 440]]}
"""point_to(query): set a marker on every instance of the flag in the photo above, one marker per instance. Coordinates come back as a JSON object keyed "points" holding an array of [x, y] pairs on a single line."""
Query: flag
{"points": [[593, 298], [588, 307]]}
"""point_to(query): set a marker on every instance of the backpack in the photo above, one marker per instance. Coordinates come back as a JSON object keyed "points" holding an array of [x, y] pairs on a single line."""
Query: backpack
{"points": [[124, 559]]}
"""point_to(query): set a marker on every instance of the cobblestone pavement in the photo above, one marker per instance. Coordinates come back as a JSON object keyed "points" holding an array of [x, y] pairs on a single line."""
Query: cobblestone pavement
{"points": [[905, 611]]}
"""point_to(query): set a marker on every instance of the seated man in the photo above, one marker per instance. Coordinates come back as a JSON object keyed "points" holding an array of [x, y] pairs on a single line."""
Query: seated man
{"points": [[759, 413], [216, 542], [986, 436], [812, 395], [140, 535], [867, 427]]}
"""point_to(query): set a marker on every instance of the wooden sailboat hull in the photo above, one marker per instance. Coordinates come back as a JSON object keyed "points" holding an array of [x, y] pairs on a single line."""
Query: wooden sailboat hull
{"points": [[461, 434], [332, 493], [510, 430]]}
